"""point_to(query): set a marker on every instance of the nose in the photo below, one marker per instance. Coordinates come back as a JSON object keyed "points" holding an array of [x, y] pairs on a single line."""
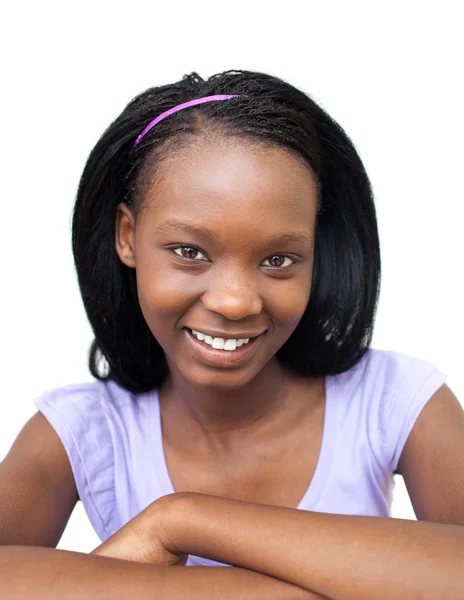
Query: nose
{"points": [[233, 303]]}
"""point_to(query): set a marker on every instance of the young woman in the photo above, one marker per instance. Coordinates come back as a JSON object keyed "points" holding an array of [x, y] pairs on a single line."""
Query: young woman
{"points": [[226, 246]]}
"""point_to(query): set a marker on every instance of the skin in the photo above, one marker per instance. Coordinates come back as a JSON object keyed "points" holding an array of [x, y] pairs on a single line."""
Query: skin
{"points": [[241, 441]]}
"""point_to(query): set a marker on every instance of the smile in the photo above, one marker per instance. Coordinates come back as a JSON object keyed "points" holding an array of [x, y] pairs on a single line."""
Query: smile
{"points": [[222, 352], [220, 343]]}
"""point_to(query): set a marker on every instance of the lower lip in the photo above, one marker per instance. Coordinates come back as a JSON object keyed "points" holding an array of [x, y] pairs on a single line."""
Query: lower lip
{"points": [[222, 358]]}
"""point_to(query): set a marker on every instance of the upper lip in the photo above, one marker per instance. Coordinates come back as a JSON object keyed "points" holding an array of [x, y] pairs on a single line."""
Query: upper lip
{"points": [[230, 336]]}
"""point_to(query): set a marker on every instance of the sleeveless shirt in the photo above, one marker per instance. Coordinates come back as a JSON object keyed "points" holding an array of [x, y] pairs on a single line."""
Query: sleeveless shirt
{"points": [[113, 439]]}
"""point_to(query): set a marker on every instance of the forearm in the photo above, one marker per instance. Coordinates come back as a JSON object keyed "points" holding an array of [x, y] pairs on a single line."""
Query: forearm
{"points": [[339, 557], [49, 574]]}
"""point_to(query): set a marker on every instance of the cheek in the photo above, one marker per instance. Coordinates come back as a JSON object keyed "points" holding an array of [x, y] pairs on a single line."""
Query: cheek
{"points": [[287, 304], [163, 292]]}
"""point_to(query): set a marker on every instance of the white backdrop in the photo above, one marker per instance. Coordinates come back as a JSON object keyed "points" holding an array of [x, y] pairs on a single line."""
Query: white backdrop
{"points": [[390, 73]]}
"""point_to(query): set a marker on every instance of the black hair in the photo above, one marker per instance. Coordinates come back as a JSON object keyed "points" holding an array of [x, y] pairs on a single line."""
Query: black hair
{"points": [[337, 325]]}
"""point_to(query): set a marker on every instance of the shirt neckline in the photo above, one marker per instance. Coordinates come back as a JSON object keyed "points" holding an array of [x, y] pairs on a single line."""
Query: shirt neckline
{"points": [[315, 488]]}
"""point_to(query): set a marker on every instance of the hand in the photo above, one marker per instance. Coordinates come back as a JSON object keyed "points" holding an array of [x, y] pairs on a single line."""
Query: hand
{"points": [[143, 539]]}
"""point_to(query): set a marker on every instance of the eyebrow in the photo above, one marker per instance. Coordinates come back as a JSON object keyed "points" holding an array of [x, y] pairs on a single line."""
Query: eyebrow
{"points": [[199, 231], [195, 230]]}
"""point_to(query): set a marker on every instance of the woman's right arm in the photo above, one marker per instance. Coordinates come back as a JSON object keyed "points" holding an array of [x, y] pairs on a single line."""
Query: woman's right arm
{"points": [[60, 575], [37, 497], [37, 488]]}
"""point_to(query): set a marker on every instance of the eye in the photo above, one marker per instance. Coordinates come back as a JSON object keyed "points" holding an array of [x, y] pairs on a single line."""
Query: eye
{"points": [[279, 261], [189, 252]]}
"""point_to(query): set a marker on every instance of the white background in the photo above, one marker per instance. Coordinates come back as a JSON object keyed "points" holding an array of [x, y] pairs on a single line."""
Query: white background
{"points": [[390, 73]]}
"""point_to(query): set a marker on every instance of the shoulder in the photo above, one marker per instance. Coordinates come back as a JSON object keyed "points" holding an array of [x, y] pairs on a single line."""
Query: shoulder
{"points": [[99, 418], [94, 392], [384, 373], [384, 393], [387, 367], [100, 425], [85, 402], [400, 382]]}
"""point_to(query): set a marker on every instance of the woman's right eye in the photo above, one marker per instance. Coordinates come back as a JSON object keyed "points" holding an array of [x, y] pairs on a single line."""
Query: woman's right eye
{"points": [[189, 252]]}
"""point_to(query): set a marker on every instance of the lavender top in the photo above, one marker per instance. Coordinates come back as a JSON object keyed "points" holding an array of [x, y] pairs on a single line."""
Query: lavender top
{"points": [[113, 439]]}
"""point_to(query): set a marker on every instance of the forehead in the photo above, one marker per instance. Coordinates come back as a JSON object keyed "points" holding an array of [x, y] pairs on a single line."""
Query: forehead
{"points": [[233, 181]]}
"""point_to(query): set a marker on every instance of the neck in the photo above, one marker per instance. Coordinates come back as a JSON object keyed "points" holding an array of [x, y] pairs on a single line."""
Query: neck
{"points": [[222, 411]]}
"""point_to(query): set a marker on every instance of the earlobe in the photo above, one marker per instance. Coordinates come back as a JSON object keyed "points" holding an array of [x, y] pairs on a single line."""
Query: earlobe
{"points": [[124, 235]]}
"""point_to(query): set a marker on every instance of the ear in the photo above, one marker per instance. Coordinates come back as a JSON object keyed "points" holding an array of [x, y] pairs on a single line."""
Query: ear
{"points": [[124, 235]]}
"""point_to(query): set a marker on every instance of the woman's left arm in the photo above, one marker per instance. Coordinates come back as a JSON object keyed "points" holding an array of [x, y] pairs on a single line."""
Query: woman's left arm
{"points": [[349, 557]]}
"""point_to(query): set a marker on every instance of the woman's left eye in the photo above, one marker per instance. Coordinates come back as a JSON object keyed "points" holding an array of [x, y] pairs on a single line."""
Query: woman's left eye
{"points": [[189, 252], [279, 261]]}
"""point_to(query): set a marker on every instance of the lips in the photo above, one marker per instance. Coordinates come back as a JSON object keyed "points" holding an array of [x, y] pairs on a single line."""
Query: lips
{"points": [[220, 357]]}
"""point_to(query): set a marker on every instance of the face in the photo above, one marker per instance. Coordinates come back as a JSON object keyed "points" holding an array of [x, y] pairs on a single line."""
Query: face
{"points": [[223, 252]]}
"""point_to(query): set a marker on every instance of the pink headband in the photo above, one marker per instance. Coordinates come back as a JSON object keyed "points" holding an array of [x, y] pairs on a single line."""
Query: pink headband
{"points": [[180, 107]]}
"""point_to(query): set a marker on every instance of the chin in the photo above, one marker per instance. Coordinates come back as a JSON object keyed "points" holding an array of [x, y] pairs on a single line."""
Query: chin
{"points": [[219, 380]]}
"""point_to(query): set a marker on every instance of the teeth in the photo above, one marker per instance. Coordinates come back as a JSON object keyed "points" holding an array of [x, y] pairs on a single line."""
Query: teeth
{"points": [[230, 345], [220, 343]]}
